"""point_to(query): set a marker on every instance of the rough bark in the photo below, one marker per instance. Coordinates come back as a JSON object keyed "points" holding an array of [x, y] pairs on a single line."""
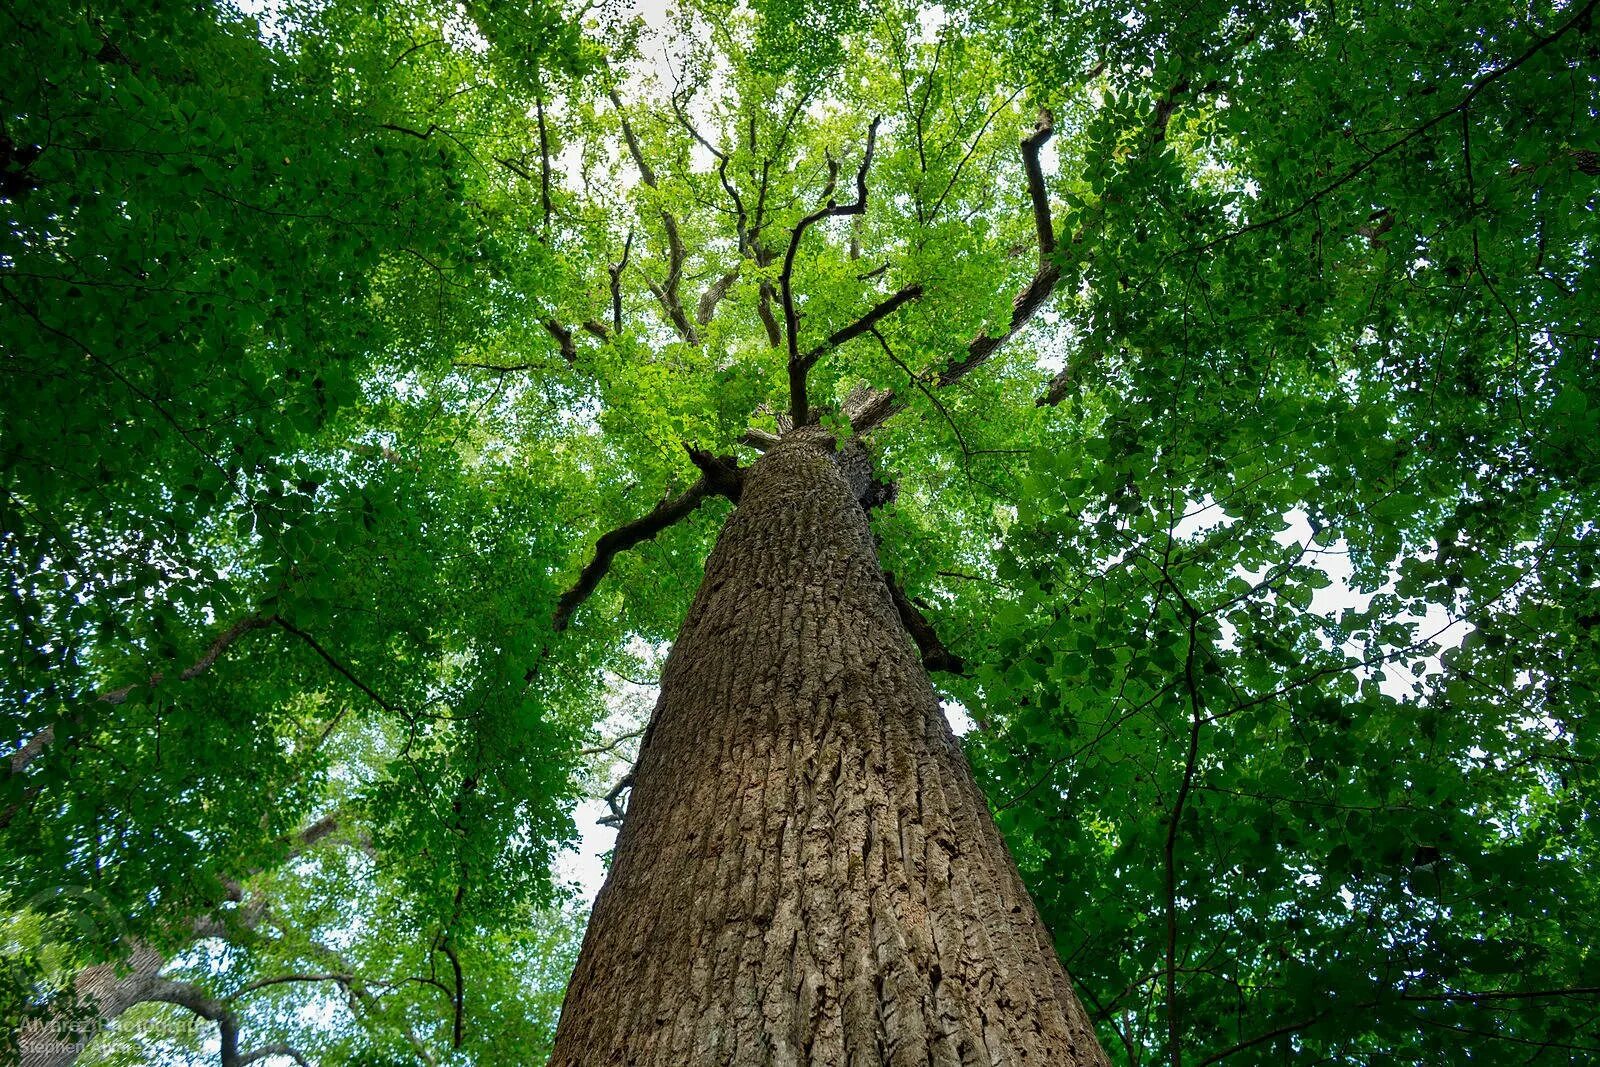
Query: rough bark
{"points": [[808, 873]]}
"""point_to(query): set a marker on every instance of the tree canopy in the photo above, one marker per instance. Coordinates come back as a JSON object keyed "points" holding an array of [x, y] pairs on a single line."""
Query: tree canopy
{"points": [[1234, 366]]}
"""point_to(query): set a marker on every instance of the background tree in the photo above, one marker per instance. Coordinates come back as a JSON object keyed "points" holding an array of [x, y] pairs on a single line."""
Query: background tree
{"points": [[334, 341]]}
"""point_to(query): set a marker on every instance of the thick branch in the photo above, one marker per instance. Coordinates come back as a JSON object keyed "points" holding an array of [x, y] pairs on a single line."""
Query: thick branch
{"points": [[1024, 307], [799, 406], [935, 657], [760, 440], [1044, 229], [563, 337], [713, 295], [719, 476]]}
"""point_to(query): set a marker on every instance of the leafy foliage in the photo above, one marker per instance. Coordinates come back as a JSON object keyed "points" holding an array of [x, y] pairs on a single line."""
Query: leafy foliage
{"points": [[336, 334]]}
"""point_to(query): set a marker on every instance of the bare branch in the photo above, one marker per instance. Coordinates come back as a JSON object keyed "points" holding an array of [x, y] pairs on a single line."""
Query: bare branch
{"points": [[719, 476], [459, 998], [31, 748]]}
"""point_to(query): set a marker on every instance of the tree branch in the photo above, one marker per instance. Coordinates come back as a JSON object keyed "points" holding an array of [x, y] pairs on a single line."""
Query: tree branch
{"points": [[665, 292], [268, 1051], [799, 406], [719, 476], [615, 270], [1026, 303], [865, 324], [199, 667], [613, 801], [935, 657], [707, 309], [1580, 18], [563, 337], [335, 664]]}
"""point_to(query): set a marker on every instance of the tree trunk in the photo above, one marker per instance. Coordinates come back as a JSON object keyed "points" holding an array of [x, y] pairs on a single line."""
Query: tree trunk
{"points": [[106, 990], [808, 873]]}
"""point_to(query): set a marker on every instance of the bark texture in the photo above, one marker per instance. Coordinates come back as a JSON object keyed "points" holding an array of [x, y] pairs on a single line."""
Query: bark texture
{"points": [[808, 873]]}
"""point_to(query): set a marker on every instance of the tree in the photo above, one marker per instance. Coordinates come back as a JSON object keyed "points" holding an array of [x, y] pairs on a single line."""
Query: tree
{"points": [[1216, 383]]}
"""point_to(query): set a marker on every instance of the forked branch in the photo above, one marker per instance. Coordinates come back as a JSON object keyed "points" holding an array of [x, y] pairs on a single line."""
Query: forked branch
{"points": [[666, 292], [719, 476], [799, 406], [1024, 306]]}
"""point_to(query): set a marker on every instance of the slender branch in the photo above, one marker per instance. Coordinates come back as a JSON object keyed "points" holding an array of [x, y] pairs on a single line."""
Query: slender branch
{"points": [[923, 388], [1580, 17], [612, 745], [799, 406], [334, 663], [285, 979], [1170, 851], [865, 324], [719, 476], [268, 1051]]}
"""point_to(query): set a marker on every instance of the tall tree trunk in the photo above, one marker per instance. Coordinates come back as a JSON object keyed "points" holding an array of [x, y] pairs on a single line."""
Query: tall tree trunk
{"points": [[808, 873]]}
